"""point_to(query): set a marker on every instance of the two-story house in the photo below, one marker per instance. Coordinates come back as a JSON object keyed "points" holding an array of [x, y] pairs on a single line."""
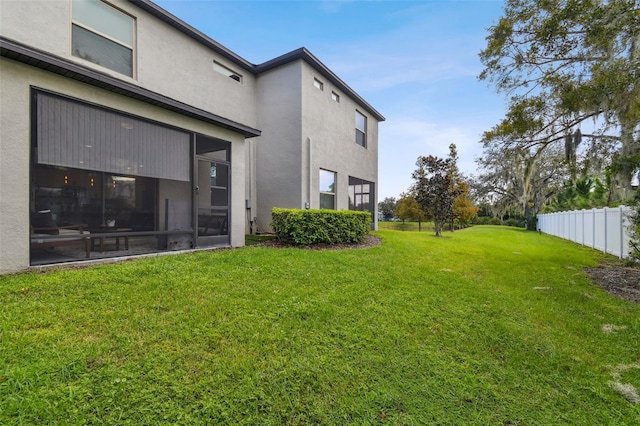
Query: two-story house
{"points": [[125, 131]]}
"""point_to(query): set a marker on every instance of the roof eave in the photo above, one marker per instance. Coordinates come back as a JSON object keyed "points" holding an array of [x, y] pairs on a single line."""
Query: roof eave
{"points": [[304, 54], [190, 31], [18, 52]]}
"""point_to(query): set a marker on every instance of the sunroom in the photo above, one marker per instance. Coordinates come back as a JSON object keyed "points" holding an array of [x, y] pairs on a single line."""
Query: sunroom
{"points": [[106, 184]]}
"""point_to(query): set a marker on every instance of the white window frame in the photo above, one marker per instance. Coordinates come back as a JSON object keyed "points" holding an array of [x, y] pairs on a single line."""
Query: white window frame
{"points": [[329, 193], [335, 97], [318, 84]]}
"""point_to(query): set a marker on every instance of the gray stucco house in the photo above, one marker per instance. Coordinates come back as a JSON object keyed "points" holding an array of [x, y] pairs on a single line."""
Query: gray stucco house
{"points": [[124, 131]]}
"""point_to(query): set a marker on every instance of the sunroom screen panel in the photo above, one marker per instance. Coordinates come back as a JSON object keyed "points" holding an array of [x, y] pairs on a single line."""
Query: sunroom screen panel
{"points": [[74, 134]]}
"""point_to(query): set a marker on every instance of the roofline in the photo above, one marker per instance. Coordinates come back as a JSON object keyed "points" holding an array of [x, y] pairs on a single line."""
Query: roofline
{"points": [[298, 54], [305, 55], [160, 13], [18, 52]]}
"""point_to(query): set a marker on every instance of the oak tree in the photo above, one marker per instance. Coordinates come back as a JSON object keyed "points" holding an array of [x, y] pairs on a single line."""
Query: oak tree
{"points": [[565, 63]]}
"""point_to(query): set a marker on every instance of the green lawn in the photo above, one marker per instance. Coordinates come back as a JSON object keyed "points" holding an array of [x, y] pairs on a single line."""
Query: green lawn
{"points": [[407, 226], [489, 325]]}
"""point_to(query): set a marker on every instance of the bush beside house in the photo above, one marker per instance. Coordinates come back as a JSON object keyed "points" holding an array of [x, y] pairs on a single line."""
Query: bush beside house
{"points": [[305, 227]]}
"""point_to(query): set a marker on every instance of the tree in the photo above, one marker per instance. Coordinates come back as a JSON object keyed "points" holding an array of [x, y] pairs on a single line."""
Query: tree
{"points": [[564, 63], [584, 193], [408, 208], [387, 207], [518, 180], [463, 208], [433, 189]]}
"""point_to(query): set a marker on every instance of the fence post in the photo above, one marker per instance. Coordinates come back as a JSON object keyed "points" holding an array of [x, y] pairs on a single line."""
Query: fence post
{"points": [[606, 228], [593, 230], [621, 233], [582, 226]]}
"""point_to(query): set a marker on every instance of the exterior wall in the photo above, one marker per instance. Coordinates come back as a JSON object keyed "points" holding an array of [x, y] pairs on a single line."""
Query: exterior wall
{"points": [[330, 126], [14, 171], [15, 143], [166, 61], [30, 22], [278, 151], [190, 77], [305, 130]]}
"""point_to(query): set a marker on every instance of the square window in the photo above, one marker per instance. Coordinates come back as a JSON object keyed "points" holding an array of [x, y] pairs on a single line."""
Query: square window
{"points": [[103, 35], [318, 84], [335, 96]]}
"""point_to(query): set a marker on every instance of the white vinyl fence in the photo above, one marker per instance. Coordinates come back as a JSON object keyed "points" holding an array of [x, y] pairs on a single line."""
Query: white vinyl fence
{"points": [[602, 229]]}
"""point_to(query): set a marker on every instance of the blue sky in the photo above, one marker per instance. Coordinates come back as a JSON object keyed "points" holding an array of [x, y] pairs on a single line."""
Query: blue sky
{"points": [[416, 62]]}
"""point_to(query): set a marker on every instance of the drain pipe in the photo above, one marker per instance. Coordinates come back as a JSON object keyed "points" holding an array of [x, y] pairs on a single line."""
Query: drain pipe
{"points": [[307, 204], [248, 204]]}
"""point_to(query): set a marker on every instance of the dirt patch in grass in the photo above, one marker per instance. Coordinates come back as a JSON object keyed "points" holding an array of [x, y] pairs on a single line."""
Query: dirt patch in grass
{"points": [[622, 281]]}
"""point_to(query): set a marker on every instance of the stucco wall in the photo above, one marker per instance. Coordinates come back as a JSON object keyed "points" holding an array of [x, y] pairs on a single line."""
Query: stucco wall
{"points": [[278, 150], [330, 126], [305, 130], [15, 142], [166, 60]]}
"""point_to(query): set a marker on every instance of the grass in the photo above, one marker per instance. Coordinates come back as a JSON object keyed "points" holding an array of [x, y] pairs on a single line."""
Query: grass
{"points": [[406, 226], [489, 325]]}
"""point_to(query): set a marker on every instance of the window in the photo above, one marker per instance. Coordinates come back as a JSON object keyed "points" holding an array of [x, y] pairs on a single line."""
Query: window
{"points": [[327, 189], [102, 35], [361, 129], [318, 84], [335, 96], [227, 72], [362, 196]]}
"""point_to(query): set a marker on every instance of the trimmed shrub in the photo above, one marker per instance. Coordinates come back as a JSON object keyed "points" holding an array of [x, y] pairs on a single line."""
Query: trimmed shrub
{"points": [[518, 223], [305, 227]]}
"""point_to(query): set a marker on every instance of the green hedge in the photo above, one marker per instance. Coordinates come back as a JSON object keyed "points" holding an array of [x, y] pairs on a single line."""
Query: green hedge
{"points": [[305, 227]]}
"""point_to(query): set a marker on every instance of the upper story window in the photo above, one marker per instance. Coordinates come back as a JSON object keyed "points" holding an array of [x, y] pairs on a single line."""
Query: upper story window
{"points": [[102, 35], [361, 129], [335, 96], [318, 84], [227, 71]]}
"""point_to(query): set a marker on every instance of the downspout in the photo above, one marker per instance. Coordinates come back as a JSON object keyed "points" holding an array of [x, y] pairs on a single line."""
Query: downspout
{"points": [[307, 205], [249, 199]]}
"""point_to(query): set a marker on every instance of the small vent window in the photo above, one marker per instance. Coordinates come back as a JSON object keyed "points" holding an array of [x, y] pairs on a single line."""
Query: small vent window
{"points": [[318, 84], [228, 72]]}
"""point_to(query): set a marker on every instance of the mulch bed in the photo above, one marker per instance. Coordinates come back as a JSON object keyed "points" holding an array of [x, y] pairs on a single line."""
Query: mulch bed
{"points": [[622, 281]]}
